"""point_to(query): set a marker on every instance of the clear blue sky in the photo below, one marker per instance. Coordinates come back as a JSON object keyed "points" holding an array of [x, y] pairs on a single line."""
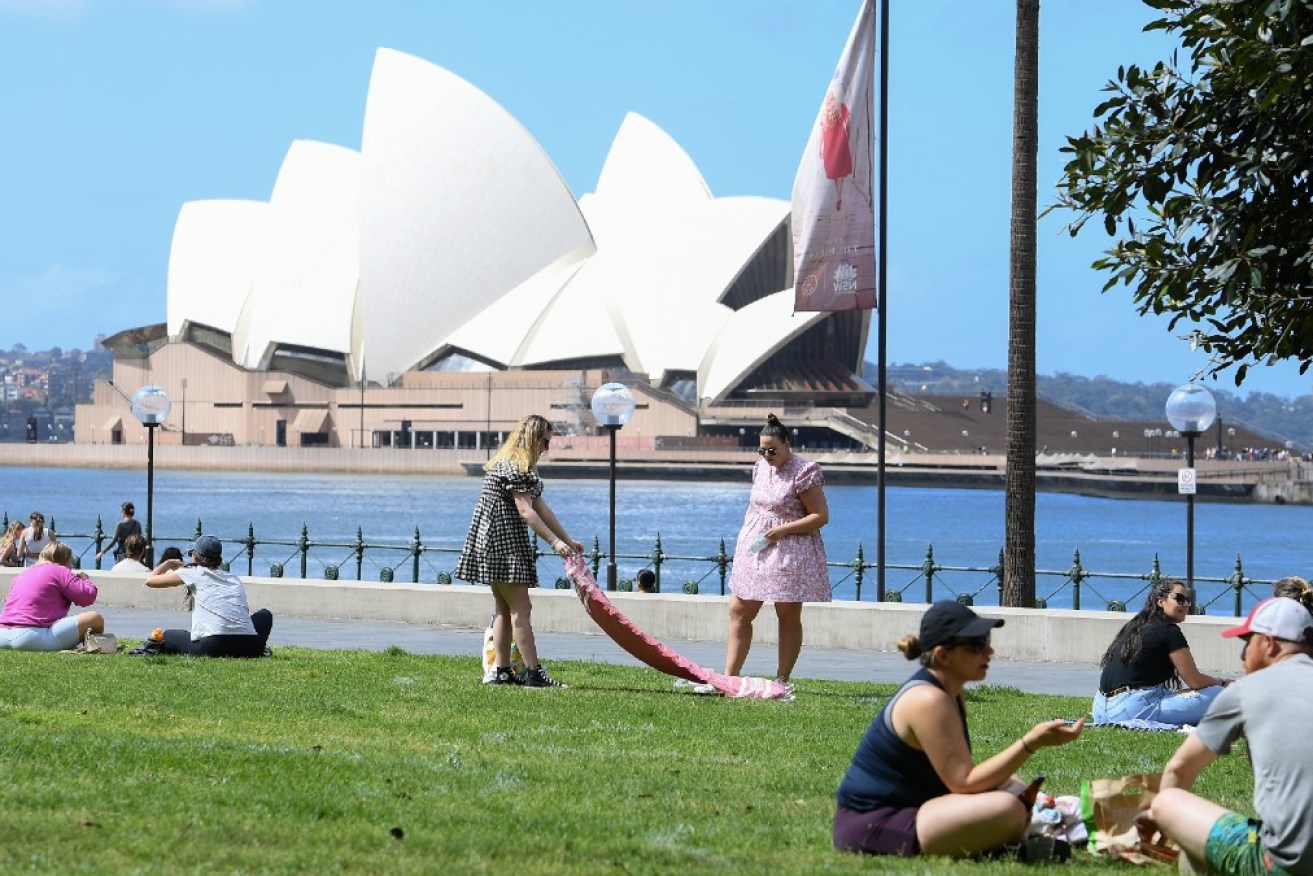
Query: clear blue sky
{"points": [[116, 112]]}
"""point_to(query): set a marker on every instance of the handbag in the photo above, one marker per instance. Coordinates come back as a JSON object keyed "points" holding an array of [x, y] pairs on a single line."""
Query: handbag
{"points": [[490, 657], [101, 643], [1109, 807]]}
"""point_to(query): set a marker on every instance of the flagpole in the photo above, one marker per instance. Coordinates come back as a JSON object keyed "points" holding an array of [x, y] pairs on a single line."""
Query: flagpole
{"points": [[881, 260]]}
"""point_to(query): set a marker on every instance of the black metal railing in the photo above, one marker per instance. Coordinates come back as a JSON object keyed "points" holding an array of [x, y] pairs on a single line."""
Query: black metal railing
{"points": [[414, 560]]}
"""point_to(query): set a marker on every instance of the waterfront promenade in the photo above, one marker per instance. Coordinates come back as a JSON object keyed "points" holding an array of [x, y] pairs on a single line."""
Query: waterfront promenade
{"points": [[1040, 650]]}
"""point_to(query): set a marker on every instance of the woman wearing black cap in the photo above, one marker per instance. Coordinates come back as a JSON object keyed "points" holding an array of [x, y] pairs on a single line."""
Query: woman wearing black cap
{"points": [[913, 787], [221, 623]]}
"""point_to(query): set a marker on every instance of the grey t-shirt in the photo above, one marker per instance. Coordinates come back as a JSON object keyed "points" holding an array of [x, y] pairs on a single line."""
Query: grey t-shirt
{"points": [[220, 608], [1270, 708]]}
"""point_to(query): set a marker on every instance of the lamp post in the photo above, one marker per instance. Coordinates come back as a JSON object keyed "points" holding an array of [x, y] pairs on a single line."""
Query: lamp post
{"points": [[1191, 410], [151, 406], [612, 406]]}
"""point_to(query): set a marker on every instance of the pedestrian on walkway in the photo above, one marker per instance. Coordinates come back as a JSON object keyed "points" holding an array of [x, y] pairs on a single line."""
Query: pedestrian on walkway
{"points": [[497, 551], [127, 526]]}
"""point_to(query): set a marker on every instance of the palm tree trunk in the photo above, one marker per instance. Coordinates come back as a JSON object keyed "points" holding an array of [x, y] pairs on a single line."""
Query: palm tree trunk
{"points": [[1019, 533]]}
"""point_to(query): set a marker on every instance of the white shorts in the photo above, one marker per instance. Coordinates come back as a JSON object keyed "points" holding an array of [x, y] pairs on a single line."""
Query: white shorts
{"points": [[60, 636]]}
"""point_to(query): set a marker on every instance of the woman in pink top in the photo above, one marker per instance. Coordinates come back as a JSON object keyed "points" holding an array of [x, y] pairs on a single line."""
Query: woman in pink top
{"points": [[35, 616], [780, 557]]}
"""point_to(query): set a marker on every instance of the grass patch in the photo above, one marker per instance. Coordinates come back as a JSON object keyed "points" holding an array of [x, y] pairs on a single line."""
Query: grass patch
{"points": [[355, 762]]}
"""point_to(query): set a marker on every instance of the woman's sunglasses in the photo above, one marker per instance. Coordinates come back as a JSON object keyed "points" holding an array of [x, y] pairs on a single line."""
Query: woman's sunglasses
{"points": [[768, 451], [1181, 598], [976, 645]]}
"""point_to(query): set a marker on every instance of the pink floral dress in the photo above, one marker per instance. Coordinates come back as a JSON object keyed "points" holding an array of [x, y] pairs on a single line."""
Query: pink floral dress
{"points": [[793, 569]]}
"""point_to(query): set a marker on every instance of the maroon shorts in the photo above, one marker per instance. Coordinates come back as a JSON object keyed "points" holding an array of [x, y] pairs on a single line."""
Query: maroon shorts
{"points": [[885, 830]]}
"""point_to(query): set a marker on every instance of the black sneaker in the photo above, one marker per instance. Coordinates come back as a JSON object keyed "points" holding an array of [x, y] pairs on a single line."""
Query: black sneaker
{"points": [[537, 677], [505, 675]]}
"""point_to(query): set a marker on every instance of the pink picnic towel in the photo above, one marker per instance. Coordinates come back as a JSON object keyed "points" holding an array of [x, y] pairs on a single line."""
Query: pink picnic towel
{"points": [[638, 643]]}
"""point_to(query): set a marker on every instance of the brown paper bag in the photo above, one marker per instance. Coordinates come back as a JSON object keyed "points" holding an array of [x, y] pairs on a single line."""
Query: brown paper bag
{"points": [[1109, 807]]}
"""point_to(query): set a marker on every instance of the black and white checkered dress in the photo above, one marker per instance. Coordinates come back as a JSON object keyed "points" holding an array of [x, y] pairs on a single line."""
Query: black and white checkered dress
{"points": [[497, 548]]}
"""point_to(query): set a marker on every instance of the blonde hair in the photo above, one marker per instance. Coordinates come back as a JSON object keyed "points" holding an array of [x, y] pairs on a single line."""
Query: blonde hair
{"points": [[11, 534], [524, 445], [1296, 588], [59, 553]]}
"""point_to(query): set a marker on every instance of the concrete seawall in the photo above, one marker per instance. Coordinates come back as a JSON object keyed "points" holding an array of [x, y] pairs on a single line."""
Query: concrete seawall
{"points": [[1040, 635]]}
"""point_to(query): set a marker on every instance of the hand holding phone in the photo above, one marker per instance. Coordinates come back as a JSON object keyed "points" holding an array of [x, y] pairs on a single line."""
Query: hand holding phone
{"points": [[1031, 794]]}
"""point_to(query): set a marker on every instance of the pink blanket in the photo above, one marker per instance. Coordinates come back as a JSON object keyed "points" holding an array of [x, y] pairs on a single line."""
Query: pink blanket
{"points": [[638, 643]]}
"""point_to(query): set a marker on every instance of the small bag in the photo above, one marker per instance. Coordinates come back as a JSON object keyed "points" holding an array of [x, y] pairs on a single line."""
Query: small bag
{"points": [[1109, 807], [490, 657], [101, 643]]}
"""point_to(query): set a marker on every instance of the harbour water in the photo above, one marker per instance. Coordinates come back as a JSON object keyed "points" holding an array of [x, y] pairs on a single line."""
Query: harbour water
{"points": [[1114, 536]]}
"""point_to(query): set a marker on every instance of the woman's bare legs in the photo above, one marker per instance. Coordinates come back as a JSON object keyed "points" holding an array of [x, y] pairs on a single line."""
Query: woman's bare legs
{"points": [[515, 597], [742, 612], [958, 825], [90, 620], [790, 618]]}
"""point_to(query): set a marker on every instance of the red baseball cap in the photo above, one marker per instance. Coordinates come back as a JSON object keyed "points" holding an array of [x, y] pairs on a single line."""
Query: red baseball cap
{"points": [[1278, 617]]}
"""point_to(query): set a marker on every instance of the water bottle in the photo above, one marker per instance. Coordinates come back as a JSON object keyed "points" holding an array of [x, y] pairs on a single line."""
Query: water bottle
{"points": [[759, 544]]}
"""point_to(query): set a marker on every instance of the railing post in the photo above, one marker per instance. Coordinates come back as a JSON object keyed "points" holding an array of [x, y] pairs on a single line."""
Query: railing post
{"points": [[250, 545], [199, 531], [859, 569], [360, 552], [722, 562], [100, 540], [997, 572], [416, 547], [1155, 573], [657, 559], [303, 545], [1238, 582], [597, 554], [1076, 574], [928, 569]]}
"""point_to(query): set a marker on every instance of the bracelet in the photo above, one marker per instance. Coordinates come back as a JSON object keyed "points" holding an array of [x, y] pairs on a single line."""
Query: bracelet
{"points": [[556, 545], [1027, 747]]}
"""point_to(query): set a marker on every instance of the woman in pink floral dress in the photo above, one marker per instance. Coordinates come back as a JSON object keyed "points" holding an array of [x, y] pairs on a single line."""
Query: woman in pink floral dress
{"points": [[779, 557]]}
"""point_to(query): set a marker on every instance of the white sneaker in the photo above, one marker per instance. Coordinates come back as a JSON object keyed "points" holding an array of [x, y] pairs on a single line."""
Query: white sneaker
{"points": [[704, 689]]}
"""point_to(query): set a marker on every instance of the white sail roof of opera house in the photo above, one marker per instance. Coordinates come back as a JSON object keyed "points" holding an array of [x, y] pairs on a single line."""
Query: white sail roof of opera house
{"points": [[217, 252], [460, 206], [306, 294], [451, 232]]}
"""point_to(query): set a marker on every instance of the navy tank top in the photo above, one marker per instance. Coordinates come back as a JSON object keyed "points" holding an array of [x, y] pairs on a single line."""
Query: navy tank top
{"points": [[886, 771]]}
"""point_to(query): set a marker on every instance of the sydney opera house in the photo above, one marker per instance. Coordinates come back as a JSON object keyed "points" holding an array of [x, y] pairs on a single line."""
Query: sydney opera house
{"points": [[431, 288]]}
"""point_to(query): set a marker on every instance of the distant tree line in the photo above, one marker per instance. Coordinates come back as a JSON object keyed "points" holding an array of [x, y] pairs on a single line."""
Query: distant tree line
{"points": [[1280, 418]]}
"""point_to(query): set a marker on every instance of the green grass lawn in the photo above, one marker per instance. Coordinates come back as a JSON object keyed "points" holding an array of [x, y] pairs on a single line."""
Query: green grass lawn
{"points": [[359, 762]]}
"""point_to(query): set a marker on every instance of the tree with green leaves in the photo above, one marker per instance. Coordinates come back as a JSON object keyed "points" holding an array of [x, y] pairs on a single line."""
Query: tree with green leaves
{"points": [[1201, 171]]}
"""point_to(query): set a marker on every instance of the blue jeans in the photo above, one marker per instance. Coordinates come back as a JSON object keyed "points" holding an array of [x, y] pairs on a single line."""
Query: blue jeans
{"points": [[1159, 703]]}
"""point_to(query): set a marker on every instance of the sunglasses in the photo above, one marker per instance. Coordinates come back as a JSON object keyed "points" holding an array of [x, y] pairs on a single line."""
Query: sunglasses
{"points": [[768, 451], [547, 443], [975, 645], [1181, 598]]}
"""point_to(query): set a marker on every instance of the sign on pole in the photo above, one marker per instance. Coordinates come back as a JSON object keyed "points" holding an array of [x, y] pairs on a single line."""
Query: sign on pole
{"points": [[1185, 481]]}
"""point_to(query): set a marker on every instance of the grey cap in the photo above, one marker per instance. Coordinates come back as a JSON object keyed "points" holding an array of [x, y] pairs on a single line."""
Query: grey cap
{"points": [[209, 547]]}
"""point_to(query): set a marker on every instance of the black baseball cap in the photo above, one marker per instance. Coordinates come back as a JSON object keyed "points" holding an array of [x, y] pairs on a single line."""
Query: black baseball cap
{"points": [[948, 619]]}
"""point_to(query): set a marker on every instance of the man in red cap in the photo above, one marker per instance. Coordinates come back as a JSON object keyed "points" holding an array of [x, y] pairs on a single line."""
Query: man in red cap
{"points": [[1270, 707]]}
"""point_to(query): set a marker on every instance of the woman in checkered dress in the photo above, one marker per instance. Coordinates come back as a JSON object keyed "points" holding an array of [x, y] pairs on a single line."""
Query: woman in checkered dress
{"points": [[497, 551]]}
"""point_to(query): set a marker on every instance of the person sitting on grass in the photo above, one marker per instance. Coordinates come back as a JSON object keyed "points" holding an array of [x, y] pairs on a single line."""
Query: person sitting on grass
{"points": [[35, 613], [134, 548], [913, 787], [221, 625], [1270, 707], [1149, 673]]}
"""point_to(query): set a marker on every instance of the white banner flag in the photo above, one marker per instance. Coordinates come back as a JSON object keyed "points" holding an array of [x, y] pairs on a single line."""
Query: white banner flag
{"points": [[833, 194]]}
